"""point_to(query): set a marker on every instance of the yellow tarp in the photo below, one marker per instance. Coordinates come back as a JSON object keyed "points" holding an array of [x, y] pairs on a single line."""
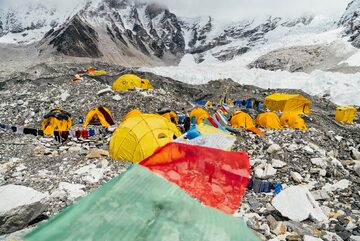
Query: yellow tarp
{"points": [[138, 137], [345, 114], [200, 114], [268, 120], [130, 82], [288, 103], [96, 115], [293, 121]]}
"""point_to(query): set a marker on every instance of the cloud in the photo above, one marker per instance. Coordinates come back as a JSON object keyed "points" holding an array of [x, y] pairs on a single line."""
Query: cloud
{"points": [[238, 9], [225, 9]]}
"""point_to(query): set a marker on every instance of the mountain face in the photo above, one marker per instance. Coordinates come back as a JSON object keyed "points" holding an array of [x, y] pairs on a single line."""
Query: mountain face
{"points": [[134, 33], [351, 21]]}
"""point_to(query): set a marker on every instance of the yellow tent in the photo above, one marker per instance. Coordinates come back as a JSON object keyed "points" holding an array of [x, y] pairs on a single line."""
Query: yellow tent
{"points": [[170, 116], [100, 115], [345, 114], [138, 137], [126, 82], [56, 120], [130, 82], [268, 120], [293, 121], [244, 120], [288, 103], [131, 114], [241, 119], [208, 103], [146, 85], [200, 114]]}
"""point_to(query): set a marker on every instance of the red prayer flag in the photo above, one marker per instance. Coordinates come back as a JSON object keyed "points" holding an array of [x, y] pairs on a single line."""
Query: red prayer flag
{"points": [[215, 177]]}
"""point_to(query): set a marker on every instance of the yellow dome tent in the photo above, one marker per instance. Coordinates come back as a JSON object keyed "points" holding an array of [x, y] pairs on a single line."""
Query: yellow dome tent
{"points": [[345, 114], [126, 82], [293, 121], [268, 120], [132, 113], [241, 119], [56, 120], [170, 116], [200, 114], [288, 103], [146, 85], [138, 137], [130, 82], [98, 115]]}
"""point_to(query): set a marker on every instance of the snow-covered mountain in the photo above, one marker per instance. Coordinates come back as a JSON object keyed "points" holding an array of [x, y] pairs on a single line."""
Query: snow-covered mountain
{"points": [[351, 21], [130, 32]]}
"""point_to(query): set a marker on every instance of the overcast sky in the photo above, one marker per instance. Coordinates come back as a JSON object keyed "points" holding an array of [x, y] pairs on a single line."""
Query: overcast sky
{"points": [[239, 8], [228, 9]]}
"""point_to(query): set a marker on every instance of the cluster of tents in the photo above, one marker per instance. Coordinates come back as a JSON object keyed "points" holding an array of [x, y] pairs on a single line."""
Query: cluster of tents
{"points": [[123, 83]]}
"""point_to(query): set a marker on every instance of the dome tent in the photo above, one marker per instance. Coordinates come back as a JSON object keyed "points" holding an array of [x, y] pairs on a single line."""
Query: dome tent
{"points": [[56, 120], [138, 137], [268, 120], [99, 115], [130, 82], [293, 121], [200, 114]]}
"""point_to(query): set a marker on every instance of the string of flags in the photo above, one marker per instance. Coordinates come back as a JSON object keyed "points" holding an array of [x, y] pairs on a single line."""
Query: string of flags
{"points": [[60, 136]]}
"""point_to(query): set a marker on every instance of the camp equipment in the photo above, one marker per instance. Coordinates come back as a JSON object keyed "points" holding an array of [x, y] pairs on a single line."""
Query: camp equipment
{"points": [[345, 114], [208, 136], [170, 116], [99, 115], [293, 121], [268, 120], [139, 205], [215, 177], [92, 71], [130, 82], [56, 120], [199, 114], [241, 119], [288, 103], [138, 137]]}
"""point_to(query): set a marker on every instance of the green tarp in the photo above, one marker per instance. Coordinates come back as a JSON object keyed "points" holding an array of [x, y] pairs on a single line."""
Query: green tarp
{"points": [[139, 205]]}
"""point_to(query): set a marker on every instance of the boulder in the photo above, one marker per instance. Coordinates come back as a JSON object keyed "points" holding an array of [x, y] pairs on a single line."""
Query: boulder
{"points": [[19, 205], [264, 171], [296, 177], [340, 185], [311, 238], [320, 162], [297, 203], [274, 148], [277, 163], [74, 191]]}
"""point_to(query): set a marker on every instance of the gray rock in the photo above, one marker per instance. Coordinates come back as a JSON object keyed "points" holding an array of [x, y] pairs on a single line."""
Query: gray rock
{"points": [[19, 205]]}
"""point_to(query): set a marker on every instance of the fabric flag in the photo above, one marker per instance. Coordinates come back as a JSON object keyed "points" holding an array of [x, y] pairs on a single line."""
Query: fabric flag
{"points": [[138, 205], [215, 177]]}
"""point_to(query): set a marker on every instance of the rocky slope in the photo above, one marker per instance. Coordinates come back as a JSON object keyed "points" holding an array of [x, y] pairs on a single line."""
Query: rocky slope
{"points": [[351, 21], [321, 158]]}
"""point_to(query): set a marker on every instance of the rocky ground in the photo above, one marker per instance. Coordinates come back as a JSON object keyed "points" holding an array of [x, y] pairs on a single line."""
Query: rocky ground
{"points": [[322, 159], [305, 59]]}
